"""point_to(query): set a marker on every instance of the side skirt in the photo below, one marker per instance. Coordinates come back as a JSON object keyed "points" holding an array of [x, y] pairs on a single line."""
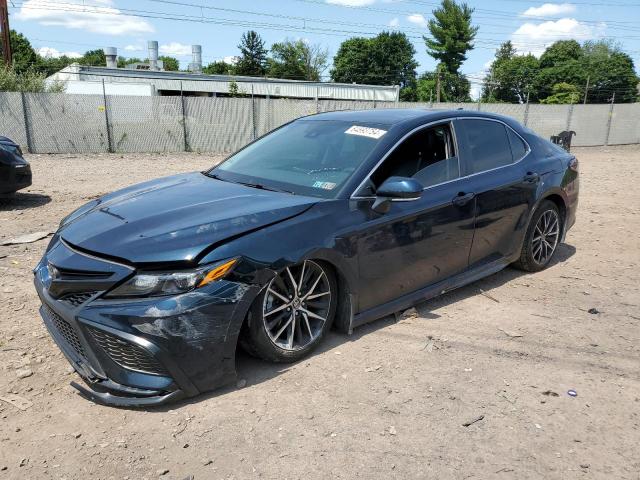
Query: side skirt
{"points": [[431, 291]]}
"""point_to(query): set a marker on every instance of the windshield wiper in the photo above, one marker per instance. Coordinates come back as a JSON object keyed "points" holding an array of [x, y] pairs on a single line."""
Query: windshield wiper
{"points": [[264, 187]]}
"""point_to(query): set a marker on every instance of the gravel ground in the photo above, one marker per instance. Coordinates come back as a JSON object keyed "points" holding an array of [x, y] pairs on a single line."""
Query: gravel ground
{"points": [[389, 401]]}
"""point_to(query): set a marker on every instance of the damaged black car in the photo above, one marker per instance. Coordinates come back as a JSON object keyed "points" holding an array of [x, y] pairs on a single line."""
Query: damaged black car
{"points": [[335, 219]]}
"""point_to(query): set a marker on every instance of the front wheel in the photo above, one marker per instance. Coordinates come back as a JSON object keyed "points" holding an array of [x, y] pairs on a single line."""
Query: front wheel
{"points": [[542, 238], [292, 314]]}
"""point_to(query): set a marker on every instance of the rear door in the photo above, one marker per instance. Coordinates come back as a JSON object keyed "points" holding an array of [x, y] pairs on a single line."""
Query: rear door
{"points": [[491, 154]]}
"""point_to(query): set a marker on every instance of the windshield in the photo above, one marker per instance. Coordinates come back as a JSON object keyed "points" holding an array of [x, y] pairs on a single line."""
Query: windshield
{"points": [[306, 157]]}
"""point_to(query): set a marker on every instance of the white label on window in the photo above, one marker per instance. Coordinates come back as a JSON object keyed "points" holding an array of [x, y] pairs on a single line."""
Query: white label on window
{"points": [[366, 131], [325, 185]]}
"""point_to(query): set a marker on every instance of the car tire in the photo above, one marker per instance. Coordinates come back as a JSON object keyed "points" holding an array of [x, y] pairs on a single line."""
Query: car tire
{"points": [[542, 238], [266, 333]]}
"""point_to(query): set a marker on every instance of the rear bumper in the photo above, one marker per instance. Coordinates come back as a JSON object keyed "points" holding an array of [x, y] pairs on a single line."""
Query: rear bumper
{"points": [[14, 178], [151, 351]]}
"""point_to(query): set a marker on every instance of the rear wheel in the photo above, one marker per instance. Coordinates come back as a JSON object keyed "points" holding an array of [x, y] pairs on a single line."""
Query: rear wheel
{"points": [[542, 238], [292, 314]]}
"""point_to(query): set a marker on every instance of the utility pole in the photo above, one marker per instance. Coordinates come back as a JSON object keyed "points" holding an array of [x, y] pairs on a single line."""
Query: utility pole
{"points": [[6, 33], [586, 89]]}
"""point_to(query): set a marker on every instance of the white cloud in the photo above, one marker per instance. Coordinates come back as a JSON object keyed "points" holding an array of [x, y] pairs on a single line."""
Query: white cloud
{"points": [[352, 3], [48, 52], [175, 48], [98, 16], [134, 48], [418, 19], [394, 22], [535, 37], [549, 10], [231, 59]]}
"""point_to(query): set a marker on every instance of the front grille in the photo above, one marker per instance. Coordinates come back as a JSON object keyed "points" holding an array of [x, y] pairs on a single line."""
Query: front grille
{"points": [[126, 354], [77, 299], [67, 332]]}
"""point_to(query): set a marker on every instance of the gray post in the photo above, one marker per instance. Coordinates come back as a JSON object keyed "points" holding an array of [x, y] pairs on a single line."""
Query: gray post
{"points": [[253, 113], [27, 125], [269, 111], [397, 94], [184, 121], [569, 115], [606, 140], [317, 98], [106, 118], [526, 111], [479, 103]]}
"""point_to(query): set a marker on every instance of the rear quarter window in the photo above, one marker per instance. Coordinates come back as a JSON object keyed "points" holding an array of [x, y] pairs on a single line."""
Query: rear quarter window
{"points": [[486, 143]]}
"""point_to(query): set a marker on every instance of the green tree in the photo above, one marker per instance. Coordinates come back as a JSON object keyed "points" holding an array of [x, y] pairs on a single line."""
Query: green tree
{"points": [[253, 55], [297, 60], [563, 93], [387, 59], [23, 54], [123, 62], [219, 68], [453, 87], [93, 58], [50, 65], [170, 64], [561, 52], [511, 77], [452, 34]]}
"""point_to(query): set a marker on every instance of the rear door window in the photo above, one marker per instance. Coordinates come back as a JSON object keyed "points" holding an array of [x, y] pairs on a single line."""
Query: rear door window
{"points": [[518, 147], [487, 144]]}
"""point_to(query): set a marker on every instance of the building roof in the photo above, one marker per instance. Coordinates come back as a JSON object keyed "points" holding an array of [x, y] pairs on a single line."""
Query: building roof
{"points": [[199, 82]]}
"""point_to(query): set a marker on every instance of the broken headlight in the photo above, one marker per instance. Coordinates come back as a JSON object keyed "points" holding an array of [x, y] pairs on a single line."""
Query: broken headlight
{"points": [[156, 284]]}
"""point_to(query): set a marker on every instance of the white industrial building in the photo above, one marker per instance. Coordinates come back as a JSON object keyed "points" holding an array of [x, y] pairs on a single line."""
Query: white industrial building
{"points": [[148, 79]]}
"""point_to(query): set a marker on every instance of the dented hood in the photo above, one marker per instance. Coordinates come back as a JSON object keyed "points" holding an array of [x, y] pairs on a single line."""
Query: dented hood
{"points": [[174, 219]]}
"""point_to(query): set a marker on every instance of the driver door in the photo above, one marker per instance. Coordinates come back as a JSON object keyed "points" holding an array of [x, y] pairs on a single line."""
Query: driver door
{"points": [[420, 242]]}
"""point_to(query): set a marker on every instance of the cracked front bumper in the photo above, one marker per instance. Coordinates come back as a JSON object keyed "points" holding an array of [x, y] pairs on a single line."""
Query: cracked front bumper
{"points": [[147, 352]]}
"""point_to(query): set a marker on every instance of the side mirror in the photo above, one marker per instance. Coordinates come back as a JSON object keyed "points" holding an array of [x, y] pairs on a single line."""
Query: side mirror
{"points": [[396, 189]]}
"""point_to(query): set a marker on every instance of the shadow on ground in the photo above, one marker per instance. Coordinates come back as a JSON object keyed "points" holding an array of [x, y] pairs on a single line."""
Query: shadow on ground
{"points": [[22, 201]]}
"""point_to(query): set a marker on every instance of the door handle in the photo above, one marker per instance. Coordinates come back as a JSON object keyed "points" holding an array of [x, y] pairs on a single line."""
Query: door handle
{"points": [[531, 177], [462, 199]]}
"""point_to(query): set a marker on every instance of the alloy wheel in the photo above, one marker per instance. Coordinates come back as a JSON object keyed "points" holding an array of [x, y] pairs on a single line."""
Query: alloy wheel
{"points": [[296, 305], [545, 237]]}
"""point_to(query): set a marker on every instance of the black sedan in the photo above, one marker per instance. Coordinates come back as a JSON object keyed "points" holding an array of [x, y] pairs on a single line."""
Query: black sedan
{"points": [[333, 219], [15, 172]]}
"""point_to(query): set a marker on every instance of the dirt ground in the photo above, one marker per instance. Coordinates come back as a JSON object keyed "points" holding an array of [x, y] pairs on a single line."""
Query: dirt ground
{"points": [[387, 402]]}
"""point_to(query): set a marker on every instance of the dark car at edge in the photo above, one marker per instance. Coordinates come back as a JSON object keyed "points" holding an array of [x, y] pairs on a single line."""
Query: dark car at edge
{"points": [[334, 219], [15, 171]]}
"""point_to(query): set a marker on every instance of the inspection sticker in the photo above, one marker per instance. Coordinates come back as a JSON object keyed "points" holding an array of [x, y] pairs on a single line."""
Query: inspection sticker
{"points": [[366, 131], [325, 185]]}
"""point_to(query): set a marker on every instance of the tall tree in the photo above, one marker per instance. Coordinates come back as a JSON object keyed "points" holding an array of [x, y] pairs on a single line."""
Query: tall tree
{"points": [[298, 60], [253, 55], [387, 59], [511, 77], [24, 56], [452, 34]]}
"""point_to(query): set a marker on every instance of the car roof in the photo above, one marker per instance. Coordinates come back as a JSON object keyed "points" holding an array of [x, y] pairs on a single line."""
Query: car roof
{"points": [[397, 116]]}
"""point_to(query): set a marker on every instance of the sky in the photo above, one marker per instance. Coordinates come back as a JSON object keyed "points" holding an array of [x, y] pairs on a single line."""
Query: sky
{"points": [[71, 27]]}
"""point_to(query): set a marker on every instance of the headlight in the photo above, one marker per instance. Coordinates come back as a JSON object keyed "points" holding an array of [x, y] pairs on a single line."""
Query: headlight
{"points": [[156, 284]]}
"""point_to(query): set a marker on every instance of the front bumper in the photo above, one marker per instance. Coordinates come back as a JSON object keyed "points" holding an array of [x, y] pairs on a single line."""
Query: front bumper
{"points": [[147, 351], [14, 177]]}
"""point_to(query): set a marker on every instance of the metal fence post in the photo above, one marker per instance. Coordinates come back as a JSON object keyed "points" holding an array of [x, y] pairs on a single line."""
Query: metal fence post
{"points": [[106, 118], [479, 103], [606, 140], [526, 111], [184, 121], [569, 116], [27, 126], [317, 98], [253, 113]]}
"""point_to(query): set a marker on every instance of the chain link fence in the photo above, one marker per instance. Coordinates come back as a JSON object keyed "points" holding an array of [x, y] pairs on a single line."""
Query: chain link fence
{"points": [[66, 123]]}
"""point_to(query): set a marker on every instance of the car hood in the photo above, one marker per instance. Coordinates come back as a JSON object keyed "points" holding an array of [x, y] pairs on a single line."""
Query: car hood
{"points": [[175, 219]]}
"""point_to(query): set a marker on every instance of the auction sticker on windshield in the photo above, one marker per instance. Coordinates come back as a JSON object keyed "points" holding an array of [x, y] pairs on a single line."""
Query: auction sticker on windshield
{"points": [[366, 131], [325, 185]]}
